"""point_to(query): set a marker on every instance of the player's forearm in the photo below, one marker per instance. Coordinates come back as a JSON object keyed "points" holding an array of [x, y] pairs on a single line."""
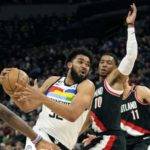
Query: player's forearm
{"points": [[128, 61], [63, 110], [131, 43], [15, 122]]}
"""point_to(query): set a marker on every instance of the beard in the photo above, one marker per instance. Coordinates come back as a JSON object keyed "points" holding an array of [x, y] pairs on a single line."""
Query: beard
{"points": [[77, 78], [103, 75]]}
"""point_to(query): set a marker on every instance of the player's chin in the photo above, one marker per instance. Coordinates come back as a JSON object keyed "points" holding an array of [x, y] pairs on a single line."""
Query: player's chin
{"points": [[83, 76], [103, 73]]}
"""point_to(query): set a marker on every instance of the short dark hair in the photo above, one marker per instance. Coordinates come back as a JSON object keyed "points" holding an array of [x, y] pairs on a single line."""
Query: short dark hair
{"points": [[74, 53], [112, 55]]}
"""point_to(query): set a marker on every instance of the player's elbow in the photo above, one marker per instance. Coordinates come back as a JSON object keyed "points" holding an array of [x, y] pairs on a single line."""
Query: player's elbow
{"points": [[72, 117]]}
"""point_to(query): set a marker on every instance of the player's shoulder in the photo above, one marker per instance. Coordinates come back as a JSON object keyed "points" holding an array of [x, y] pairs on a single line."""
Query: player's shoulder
{"points": [[87, 83], [48, 82], [142, 93], [53, 78], [140, 88]]}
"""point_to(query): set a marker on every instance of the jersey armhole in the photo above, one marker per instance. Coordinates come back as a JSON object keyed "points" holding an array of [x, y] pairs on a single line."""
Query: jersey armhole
{"points": [[111, 90]]}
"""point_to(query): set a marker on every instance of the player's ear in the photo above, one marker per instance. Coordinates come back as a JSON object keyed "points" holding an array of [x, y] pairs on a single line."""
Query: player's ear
{"points": [[69, 64]]}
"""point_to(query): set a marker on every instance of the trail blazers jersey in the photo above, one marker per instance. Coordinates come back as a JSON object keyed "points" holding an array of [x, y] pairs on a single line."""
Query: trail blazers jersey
{"points": [[135, 116], [105, 113], [105, 117]]}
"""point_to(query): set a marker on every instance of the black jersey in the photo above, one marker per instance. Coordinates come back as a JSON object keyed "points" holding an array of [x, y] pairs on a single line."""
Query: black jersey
{"points": [[105, 118], [105, 111], [135, 116]]}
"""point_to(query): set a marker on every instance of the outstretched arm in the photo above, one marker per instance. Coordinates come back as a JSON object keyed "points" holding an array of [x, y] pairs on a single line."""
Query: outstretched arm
{"points": [[127, 63], [17, 123]]}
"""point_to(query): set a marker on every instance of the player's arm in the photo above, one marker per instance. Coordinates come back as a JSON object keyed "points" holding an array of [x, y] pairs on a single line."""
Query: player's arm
{"points": [[80, 103], [17, 123], [27, 106], [127, 63], [143, 94]]}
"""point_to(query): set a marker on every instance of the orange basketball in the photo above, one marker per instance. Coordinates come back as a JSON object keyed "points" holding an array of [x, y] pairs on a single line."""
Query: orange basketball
{"points": [[14, 76]]}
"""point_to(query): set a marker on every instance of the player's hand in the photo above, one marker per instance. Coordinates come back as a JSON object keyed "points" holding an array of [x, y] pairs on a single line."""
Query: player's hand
{"points": [[44, 145], [35, 84], [89, 139], [130, 20], [29, 95]]}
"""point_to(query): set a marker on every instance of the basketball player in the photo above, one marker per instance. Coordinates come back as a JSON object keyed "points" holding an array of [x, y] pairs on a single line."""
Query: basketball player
{"points": [[135, 116], [105, 111], [65, 102]]}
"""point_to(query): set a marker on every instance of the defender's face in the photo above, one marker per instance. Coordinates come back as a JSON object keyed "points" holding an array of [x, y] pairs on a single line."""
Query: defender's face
{"points": [[81, 65], [106, 65]]}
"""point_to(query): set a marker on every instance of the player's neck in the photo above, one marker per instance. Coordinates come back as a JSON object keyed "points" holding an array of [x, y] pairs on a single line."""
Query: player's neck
{"points": [[69, 80], [101, 78]]}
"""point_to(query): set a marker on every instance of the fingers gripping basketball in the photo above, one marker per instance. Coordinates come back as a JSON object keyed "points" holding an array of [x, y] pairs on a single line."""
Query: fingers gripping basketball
{"points": [[11, 78]]}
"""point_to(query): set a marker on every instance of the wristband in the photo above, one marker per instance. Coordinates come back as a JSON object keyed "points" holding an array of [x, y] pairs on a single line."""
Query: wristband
{"points": [[37, 139]]}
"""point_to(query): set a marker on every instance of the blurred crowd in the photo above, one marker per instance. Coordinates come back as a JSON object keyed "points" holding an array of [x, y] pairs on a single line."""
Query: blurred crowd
{"points": [[42, 1], [20, 47]]}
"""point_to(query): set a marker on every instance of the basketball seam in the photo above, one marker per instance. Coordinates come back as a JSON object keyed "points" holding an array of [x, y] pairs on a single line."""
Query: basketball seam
{"points": [[27, 80], [10, 84], [17, 79], [10, 90]]}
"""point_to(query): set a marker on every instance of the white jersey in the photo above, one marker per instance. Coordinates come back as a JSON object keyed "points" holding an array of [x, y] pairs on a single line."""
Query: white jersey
{"points": [[61, 129]]}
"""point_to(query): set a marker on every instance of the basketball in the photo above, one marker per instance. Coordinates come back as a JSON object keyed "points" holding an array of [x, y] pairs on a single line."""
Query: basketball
{"points": [[14, 76]]}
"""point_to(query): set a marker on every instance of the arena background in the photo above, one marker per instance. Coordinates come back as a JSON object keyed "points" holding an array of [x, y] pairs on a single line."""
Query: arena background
{"points": [[36, 36]]}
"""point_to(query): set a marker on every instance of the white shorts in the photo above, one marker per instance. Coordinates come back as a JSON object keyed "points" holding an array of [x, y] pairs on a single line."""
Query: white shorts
{"points": [[29, 145]]}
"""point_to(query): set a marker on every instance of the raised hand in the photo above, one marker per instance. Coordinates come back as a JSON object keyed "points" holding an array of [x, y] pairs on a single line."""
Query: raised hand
{"points": [[130, 20]]}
